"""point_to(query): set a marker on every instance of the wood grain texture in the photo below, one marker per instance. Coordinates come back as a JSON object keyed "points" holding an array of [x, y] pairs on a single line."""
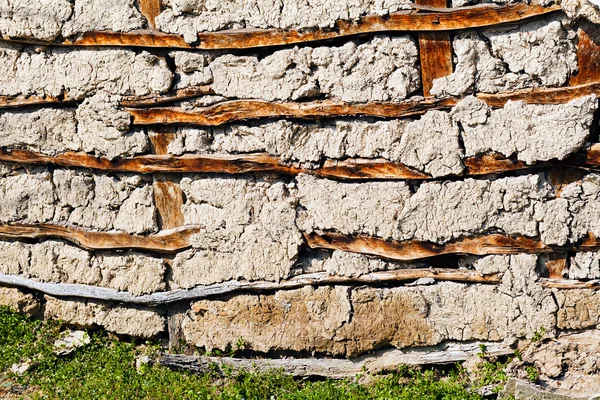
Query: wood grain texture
{"points": [[568, 284], [242, 110], [168, 196], [435, 52], [415, 249], [339, 368], [150, 9], [351, 169], [200, 292], [588, 54], [163, 242], [418, 20]]}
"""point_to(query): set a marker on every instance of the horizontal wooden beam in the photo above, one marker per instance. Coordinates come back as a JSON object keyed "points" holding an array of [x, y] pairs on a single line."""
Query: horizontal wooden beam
{"points": [[155, 99], [199, 292], [415, 249], [163, 242], [351, 169], [336, 368], [418, 20], [241, 110], [570, 283]]}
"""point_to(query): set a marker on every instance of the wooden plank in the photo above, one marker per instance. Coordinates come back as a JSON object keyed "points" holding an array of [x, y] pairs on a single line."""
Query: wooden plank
{"points": [[427, 19], [339, 368], [435, 52], [242, 110], [163, 242], [150, 9], [199, 292]]}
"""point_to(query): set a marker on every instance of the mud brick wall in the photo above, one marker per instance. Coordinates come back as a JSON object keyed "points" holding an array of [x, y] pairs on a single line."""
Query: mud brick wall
{"points": [[387, 182]]}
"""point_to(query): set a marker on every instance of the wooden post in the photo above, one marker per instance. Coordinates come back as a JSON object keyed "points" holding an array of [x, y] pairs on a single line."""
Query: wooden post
{"points": [[168, 196], [150, 9], [435, 50]]}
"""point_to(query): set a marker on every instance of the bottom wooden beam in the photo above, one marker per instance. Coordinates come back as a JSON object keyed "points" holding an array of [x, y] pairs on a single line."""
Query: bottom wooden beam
{"points": [[335, 368]]}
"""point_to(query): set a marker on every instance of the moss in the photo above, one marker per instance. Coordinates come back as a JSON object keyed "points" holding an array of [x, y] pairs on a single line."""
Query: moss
{"points": [[106, 369]]}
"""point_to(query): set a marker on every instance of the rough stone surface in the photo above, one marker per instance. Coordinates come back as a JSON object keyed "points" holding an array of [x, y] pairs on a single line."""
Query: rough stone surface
{"points": [[58, 262], [104, 129], [441, 155], [190, 17], [584, 206], [343, 263], [349, 321], [249, 230], [370, 208], [103, 15], [529, 132], [569, 364], [46, 130], [50, 19], [130, 320], [77, 198], [589, 9], [442, 211], [383, 69], [80, 72], [98, 126], [585, 266], [577, 309], [296, 142], [17, 300], [41, 19], [538, 53]]}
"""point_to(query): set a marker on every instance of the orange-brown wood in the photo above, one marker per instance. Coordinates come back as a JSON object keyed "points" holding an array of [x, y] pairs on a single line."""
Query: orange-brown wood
{"points": [[165, 242], [168, 196], [160, 139], [435, 51], [424, 19], [588, 54], [556, 264], [415, 249], [562, 176], [150, 9], [240, 110], [352, 169]]}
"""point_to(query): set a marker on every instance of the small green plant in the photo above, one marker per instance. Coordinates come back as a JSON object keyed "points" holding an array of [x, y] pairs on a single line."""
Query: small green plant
{"points": [[532, 373], [538, 335], [106, 369], [491, 373], [482, 350]]}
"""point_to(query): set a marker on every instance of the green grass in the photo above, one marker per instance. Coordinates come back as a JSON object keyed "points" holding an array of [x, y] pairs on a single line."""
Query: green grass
{"points": [[105, 369]]}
